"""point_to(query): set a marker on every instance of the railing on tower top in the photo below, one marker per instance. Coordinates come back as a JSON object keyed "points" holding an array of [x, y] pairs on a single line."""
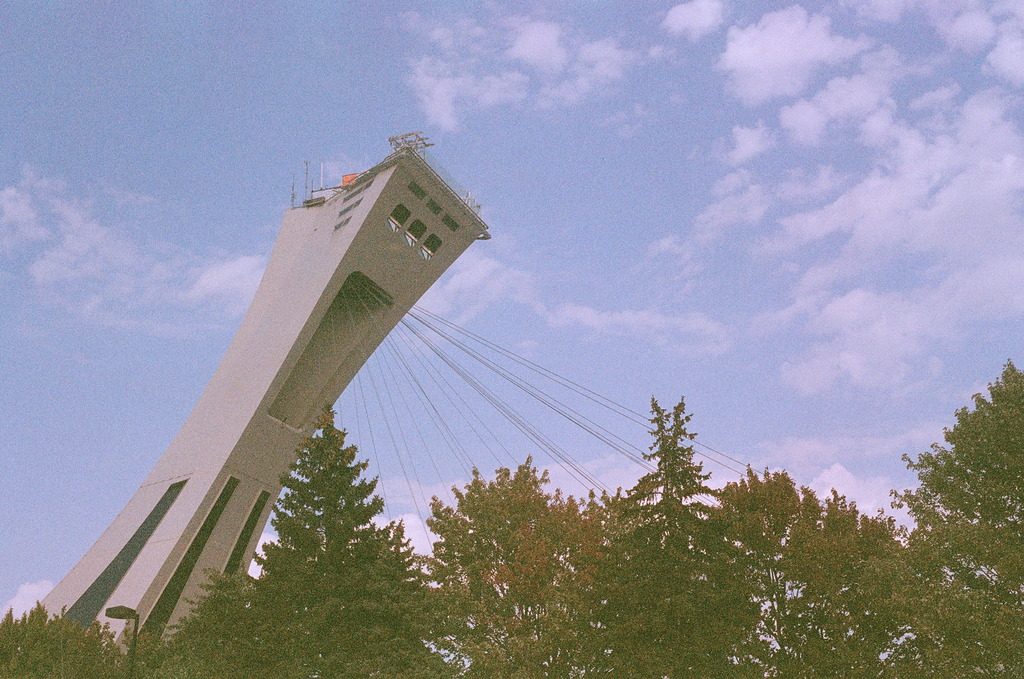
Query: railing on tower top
{"points": [[417, 143]]}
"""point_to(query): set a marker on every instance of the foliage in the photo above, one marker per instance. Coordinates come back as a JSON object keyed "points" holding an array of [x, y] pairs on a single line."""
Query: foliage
{"points": [[667, 579], [339, 596], [823, 575], [967, 550], [36, 646], [514, 567]]}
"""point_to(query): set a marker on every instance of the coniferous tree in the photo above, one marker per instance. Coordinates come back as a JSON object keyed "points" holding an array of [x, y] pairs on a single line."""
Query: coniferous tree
{"points": [[338, 597], [675, 605], [967, 549], [36, 646]]}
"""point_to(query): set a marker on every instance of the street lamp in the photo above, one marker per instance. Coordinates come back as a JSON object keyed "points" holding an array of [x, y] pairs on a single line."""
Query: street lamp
{"points": [[126, 613]]}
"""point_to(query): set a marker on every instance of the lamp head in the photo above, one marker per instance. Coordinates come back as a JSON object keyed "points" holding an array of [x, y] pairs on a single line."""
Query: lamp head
{"points": [[122, 613]]}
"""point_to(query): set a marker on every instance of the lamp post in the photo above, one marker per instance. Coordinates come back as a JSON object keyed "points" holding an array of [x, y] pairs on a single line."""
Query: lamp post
{"points": [[126, 613]]}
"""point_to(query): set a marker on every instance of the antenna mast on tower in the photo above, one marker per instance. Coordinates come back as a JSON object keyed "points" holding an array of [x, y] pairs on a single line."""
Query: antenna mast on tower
{"points": [[412, 140]]}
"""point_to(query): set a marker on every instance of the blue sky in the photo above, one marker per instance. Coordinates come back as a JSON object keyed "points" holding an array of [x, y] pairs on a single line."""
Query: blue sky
{"points": [[804, 217]]}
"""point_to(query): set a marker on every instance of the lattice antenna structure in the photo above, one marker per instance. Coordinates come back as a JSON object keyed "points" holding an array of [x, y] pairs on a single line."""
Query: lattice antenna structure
{"points": [[412, 140]]}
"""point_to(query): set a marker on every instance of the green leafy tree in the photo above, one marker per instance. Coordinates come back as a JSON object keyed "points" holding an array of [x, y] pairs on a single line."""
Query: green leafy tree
{"points": [[338, 597], [967, 549], [514, 567], [823, 575], [36, 646], [674, 604]]}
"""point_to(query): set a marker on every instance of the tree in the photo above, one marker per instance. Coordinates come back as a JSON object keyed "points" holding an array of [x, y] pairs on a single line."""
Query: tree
{"points": [[36, 646], [823, 575], [514, 567], [674, 604], [967, 548], [338, 597]]}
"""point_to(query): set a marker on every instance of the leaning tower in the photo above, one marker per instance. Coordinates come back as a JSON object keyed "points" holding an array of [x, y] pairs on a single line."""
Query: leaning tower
{"points": [[346, 267]]}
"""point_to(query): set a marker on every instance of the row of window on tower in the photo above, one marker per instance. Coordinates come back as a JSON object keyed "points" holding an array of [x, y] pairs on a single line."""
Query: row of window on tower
{"points": [[432, 205], [416, 229]]}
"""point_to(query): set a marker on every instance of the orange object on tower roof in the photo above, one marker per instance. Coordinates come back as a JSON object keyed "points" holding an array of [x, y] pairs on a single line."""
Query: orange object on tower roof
{"points": [[349, 179]]}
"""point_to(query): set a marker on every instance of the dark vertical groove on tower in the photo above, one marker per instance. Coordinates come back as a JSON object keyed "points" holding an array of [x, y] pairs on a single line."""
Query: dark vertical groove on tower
{"points": [[238, 553], [165, 605], [89, 605]]}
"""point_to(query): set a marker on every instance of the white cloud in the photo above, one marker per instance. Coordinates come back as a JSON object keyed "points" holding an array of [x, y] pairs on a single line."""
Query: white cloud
{"points": [[810, 455], [628, 123], [232, 282], [72, 258], [660, 53], [1007, 57], [969, 30], [85, 249], [19, 220], [741, 202], [967, 25], [800, 454], [694, 19], [748, 143], [881, 10], [475, 282], [693, 332], [596, 65], [684, 253], [935, 191], [26, 597], [1010, 9], [669, 245], [852, 99], [805, 121], [539, 44], [779, 55], [823, 463], [16, 210], [949, 197], [800, 187], [871, 493], [873, 336], [476, 75], [443, 90], [938, 98]]}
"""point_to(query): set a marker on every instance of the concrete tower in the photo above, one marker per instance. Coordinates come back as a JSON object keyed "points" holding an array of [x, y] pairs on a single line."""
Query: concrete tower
{"points": [[346, 267]]}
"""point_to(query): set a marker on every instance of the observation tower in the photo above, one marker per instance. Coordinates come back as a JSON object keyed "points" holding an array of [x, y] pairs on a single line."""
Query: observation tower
{"points": [[347, 265]]}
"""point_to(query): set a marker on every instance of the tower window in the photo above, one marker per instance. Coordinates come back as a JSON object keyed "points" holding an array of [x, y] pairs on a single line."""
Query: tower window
{"points": [[350, 207], [450, 223], [401, 213], [415, 232], [417, 229], [432, 243], [433, 206], [417, 190], [352, 193], [430, 246]]}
